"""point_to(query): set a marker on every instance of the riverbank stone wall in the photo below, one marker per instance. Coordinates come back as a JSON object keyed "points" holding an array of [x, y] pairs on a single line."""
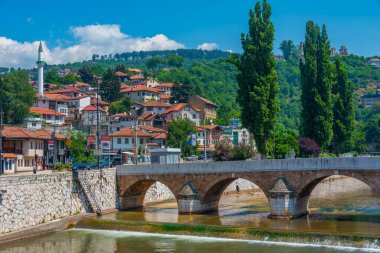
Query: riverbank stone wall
{"points": [[29, 200]]}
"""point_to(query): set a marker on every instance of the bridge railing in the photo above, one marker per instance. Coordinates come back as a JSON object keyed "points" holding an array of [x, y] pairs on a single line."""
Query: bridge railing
{"points": [[341, 163]]}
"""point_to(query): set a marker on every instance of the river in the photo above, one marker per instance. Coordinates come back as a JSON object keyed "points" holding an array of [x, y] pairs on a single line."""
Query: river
{"points": [[334, 209]]}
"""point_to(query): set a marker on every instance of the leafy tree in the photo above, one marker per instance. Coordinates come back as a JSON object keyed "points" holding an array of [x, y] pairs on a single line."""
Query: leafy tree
{"points": [[373, 131], [182, 92], [121, 106], [175, 60], [289, 50], [222, 151], [283, 141], [178, 130], [308, 147], [343, 108], [86, 74], [78, 148], [316, 78], [121, 68], [53, 77], [258, 87], [16, 96], [241, 152], [110, 86], [71, 78], [154, 62]]}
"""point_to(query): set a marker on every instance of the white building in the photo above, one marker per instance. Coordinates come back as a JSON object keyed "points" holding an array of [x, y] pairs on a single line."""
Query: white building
{"points": [[142, 94], [156, 107], [184, 111]]}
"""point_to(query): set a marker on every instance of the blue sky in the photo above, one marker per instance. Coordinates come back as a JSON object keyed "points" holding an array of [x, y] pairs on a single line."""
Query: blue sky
{"points": [[183, 23]]}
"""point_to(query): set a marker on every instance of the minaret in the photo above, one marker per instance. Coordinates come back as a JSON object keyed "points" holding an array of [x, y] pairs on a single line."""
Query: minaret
{"points": [[40, 63]]}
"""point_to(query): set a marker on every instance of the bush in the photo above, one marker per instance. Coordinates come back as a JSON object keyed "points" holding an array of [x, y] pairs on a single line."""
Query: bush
{"points": [[221, 152], [61, 166], [241, 152], [308, 147]]}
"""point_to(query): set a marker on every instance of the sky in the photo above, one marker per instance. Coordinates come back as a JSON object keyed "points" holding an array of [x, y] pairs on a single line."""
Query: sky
{"points": [[74, 30]]}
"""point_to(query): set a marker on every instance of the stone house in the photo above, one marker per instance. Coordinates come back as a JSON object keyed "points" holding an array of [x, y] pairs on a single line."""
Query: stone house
{"points": [[207, 107], [23, 149]]}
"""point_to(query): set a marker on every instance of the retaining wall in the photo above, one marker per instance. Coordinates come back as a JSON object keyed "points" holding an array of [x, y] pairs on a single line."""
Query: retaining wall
{"points": [[29, 200]]}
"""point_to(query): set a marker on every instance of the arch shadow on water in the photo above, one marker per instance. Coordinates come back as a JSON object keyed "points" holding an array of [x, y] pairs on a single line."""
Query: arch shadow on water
{"points": [[240, 201], [341, 198]]}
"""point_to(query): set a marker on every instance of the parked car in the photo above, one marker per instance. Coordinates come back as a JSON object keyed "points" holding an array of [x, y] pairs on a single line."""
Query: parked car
{"points": [[202, 156], [191, 158]]}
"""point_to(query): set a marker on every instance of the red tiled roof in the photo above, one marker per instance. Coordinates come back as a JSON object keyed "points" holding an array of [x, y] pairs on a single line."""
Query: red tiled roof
{"points": [[164, 96], [147, 116], [9, 155], [122, 115], [179, 107], [207, 101], [101, 102], [141, 88], [91, 108], [136, 77], [83, 84], [23, 133], [156, 104], [130, 132], [121, 74], [44, 111], [162, 136], [55, 97], [166, 85], [152, 129], [374, 60], [208, 127]]}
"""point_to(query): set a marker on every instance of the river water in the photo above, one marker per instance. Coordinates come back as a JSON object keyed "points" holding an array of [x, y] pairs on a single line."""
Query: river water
{"points": [[337, 206]]}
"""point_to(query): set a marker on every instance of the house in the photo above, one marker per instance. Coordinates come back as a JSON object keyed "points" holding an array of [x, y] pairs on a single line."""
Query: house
{"points": [[183, 110], [48, 116], [370, 99], [213, 136], [89, 118], [22, 149], [151, 119], [70, 91], [54, 102], [123, 77], [165, 98], [156, 107], [374, 62], [151, 83], [120, 121], [83, 86], [207, 107], [235, 135], [137, 79], [167, 87], [125, 139], [142, 94], [102, 104], [137, 72]]}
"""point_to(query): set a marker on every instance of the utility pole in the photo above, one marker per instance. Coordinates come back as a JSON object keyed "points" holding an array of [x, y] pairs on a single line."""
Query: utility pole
{"points": [[136, 141], [204, 134], [97, 122], [109, 147], [53, 134], [1, 141]]}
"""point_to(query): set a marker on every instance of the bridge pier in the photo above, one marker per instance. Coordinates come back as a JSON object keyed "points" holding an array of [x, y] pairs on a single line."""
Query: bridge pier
{"points": [[283, 204], [189, 201], [131, 202]]}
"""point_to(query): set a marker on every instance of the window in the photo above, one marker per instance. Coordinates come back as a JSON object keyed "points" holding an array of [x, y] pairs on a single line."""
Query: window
{"points": [[141, 141], [117, 128], [34, 124], [185, 116], [126, 141], [31, 144], [194, 116], [149, 109], [133, 141], [118, 140]]}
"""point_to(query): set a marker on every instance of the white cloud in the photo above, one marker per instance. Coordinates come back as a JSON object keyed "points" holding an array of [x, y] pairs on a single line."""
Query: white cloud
{"points": [[208, 46], [91, 39]]}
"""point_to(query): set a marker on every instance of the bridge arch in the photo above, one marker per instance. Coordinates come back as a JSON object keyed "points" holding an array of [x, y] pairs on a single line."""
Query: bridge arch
{"points": [[132, 194], [306, 187], [213, 193]]}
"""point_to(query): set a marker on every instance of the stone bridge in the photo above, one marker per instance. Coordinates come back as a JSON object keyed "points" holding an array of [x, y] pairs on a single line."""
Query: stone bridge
{"points": [[287, 184]]}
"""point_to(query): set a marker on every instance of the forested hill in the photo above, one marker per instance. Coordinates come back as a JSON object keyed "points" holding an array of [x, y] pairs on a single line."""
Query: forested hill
{"points": [[210, 75]]}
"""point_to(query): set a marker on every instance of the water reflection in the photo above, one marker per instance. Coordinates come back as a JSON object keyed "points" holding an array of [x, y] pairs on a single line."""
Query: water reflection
{"points": [[333, 209], [103, 241]]}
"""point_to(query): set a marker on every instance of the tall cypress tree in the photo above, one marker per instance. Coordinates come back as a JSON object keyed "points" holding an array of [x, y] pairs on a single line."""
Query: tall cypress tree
{"points": [[110, 86], [343, 108], [317, 76], [257, 79]]}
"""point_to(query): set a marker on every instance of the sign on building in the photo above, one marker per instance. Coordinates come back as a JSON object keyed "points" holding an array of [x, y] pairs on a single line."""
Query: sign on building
{"points": [[50, 145], [105, 142]]}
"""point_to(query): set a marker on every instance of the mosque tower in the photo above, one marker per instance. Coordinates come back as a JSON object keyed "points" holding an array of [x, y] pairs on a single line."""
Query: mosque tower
{"points": [[40, 63]]}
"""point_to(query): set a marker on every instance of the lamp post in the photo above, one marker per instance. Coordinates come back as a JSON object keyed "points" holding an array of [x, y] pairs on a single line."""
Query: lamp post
{"points": [[136, 141], [97, 121], [204, 135]]}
